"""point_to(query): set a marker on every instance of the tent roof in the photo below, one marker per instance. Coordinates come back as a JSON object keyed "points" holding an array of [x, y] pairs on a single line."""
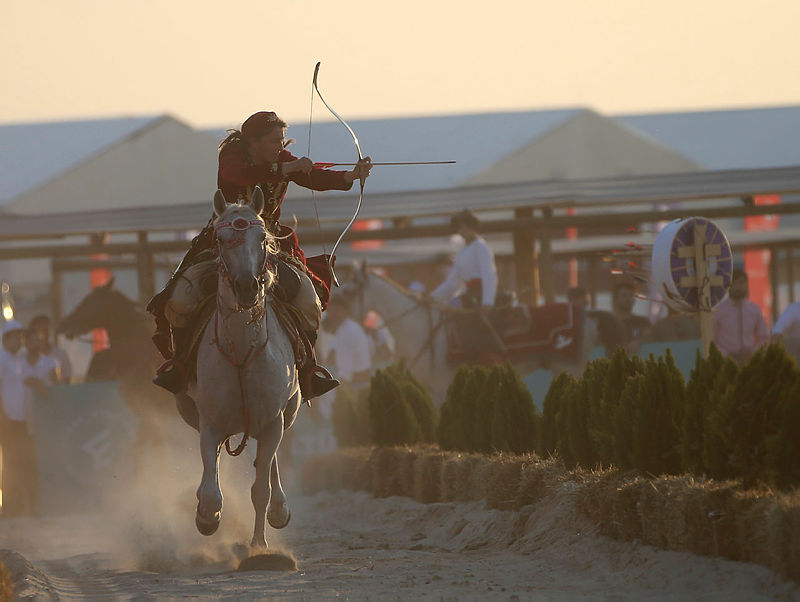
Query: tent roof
{"points": [[34, 153], [727, 139]]}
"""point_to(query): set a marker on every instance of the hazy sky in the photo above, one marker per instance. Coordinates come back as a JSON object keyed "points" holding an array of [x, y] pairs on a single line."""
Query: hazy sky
{"points": [[213, 62]]}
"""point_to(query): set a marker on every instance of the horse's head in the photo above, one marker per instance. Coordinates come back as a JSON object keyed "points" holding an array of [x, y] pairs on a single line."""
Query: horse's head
{"points": [[91, 312], [244, 246]]}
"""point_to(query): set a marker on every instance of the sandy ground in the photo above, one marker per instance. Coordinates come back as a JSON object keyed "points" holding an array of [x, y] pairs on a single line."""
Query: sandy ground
{"points": [[351, 546]]}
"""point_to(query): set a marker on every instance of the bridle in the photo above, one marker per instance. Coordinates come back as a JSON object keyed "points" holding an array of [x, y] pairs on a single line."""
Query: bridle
{"points": [[241, 225]]}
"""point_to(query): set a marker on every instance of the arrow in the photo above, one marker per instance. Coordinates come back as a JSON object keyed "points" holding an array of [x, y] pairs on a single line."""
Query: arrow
{"points": [[392, 163]]}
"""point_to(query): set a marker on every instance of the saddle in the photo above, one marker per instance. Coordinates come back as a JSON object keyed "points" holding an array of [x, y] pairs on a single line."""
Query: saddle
{"points": [[288, 317], [514, 333]]}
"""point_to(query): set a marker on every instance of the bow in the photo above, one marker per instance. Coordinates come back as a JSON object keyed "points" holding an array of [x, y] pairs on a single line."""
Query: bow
{"points": [[361, 180]]}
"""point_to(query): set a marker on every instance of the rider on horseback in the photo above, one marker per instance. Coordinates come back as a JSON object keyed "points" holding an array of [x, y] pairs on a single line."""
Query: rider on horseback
{"points": [[254, 156]]}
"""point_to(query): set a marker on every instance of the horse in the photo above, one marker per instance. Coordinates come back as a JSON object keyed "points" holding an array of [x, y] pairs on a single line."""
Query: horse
{"points": [[246, 379], [419, 326], [130, 358]]}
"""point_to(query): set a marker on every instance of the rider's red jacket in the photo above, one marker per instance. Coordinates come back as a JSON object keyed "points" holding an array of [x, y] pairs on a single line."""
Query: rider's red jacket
{"points": [[237, 177]]}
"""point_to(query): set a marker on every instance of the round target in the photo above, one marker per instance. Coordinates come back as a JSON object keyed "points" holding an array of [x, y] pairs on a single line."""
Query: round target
{"points": [[674, 263]]}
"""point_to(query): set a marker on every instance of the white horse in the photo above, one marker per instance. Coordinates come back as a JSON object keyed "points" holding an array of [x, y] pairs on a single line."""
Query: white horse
{"points": [[419, 329], [246, 376]]}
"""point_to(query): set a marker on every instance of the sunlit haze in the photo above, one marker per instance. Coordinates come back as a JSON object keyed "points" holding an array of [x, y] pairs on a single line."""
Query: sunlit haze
{"points": [[213, 63]]}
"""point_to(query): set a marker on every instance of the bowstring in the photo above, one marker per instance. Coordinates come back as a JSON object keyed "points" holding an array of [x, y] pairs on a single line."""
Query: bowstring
{"points": [[308, 154]]}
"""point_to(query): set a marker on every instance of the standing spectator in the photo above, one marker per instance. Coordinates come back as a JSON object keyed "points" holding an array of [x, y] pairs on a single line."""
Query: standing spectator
{"points": [[349, 346], [473, 275], [635, 328], [43, 325], [739, 326], [381, 341], [19, 465], [787, 329], [39, 370]]}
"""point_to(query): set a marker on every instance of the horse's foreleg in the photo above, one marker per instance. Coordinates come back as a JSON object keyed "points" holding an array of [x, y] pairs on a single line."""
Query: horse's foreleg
{"points": [[209, 494], [259, 494], [278, 514]]}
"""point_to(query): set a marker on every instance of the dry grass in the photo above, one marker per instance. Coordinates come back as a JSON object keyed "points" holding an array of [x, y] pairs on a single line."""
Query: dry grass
{"points": [[6, 585], [675, 513]]}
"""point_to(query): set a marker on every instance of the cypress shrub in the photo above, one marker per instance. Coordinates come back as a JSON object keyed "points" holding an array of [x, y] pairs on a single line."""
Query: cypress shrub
{"points": [[623, 426], [486, 428], [656, 417], [392, 418], [450, 434], [514, 420], [350, 417], [580, 406], [783, 448], [708, 379], [418, 397], [603, 416], [553, 409], [751, 412]]}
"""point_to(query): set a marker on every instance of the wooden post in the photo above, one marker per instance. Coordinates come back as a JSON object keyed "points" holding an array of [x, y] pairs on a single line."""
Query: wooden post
{"points": [[525, 261], [56, 292], [790, 272], [145, 272], [703, 288], [774, 282], [546, 259]]}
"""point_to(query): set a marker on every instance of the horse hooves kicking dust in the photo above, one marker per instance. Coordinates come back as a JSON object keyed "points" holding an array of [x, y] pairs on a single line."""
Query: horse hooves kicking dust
{"points": [[278, 520], [271, 561], [207, 526]]}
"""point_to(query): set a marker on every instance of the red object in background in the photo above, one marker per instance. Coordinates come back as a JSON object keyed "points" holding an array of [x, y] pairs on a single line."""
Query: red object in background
{"points": [[756, 262], [367, 245], [572, 234], [99, 277]]}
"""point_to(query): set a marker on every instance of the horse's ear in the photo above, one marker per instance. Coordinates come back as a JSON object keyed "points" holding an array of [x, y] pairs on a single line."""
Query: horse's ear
{"points": [[110, 284], [257, 200], [220, 204]]}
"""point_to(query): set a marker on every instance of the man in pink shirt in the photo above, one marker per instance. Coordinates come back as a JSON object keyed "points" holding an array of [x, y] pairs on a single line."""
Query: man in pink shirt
{"points": [[739, 326]]}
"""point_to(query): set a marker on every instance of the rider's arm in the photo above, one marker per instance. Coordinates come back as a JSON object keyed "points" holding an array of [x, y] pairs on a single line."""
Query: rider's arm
{"points": [[450, 287], [234, 167], [319, 179]]}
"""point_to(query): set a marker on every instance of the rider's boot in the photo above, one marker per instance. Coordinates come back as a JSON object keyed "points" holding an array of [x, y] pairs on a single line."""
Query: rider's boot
{"points": [[171, 375], [315, 380]]}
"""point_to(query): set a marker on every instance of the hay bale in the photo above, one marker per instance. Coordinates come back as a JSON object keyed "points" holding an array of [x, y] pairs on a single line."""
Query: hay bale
{"points": [[392, 471], [502, 482], [427, 486], [355, 472], [537, 477], [477, 472]]}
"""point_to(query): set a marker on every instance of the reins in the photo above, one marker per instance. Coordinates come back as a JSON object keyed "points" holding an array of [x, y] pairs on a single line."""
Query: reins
{"points": [[240, 225]]}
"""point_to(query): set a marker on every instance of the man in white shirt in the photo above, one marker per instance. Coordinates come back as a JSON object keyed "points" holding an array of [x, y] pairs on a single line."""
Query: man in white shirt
{"points": [[349, 345], [473, 275], [473, 279], [19, 465], [39, 370], [787, 329], [43, 325]]}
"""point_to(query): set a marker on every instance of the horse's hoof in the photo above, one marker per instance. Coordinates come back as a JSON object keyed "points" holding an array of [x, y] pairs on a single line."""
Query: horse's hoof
{"points": [[275, 521], [207, 526]]}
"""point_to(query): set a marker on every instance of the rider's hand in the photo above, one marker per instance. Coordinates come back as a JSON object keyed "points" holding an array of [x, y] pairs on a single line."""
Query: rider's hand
{"points": [[360, 171], [302, 165]]}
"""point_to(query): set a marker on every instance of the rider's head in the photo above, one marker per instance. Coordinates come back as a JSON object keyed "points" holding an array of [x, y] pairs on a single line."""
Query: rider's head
{"points": [[264, 134], [466, 224]]}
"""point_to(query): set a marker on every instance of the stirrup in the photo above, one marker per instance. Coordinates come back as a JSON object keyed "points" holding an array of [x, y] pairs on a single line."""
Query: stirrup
{"points": [[171, 376], [317, 382]]}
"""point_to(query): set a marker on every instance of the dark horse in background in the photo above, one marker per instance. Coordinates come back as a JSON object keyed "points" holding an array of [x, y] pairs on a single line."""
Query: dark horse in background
{"points": [[130, 360]]}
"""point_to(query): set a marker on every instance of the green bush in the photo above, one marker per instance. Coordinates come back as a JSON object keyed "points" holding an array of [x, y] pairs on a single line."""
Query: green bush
{"points": [[577, 446], [783, 448], [747, 424], [350, 417], [603, 413], [554, 413], [418, 397], [488, 410], [708, 381], [657, 416], [623, 425], [391, 415]]}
